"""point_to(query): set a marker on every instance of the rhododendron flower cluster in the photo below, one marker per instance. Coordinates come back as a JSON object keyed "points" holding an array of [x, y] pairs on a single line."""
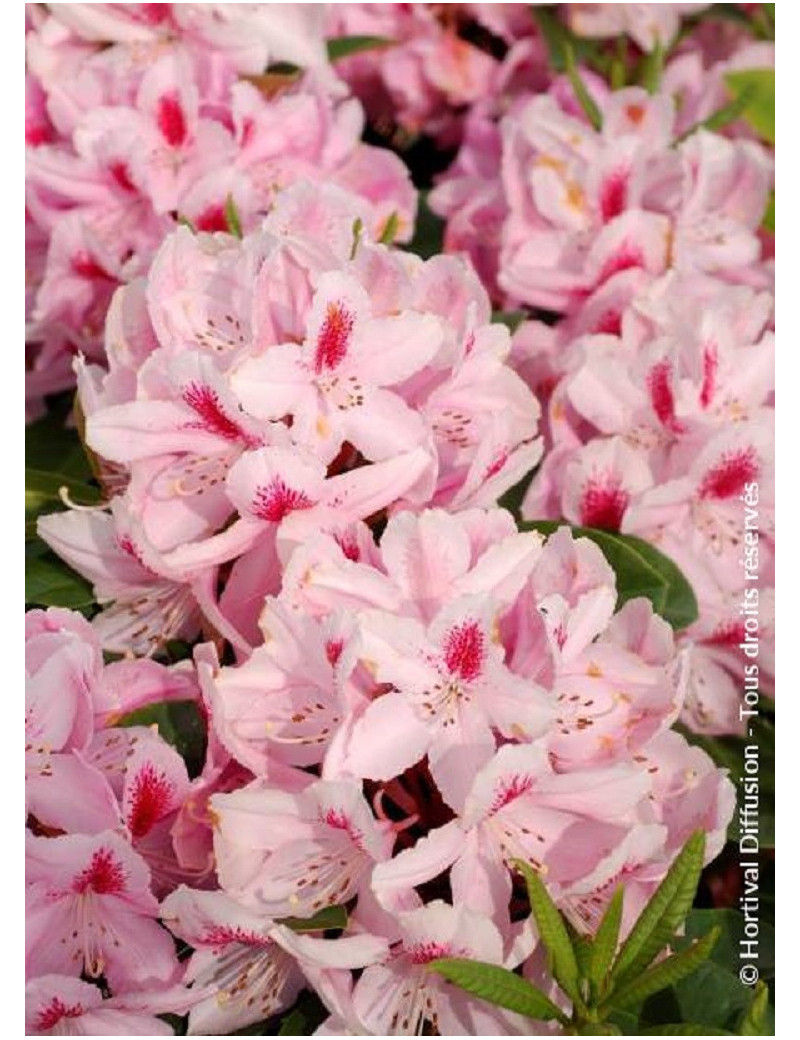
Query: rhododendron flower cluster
{"points": [[398, 562], [431, 74], [124, 140], [575, 206], [103, 802], [659, 424], [662, 428], [284, 377]]}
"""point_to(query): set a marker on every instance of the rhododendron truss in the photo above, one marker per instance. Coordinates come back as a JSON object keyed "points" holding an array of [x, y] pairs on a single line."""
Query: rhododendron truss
{"points": [[400, 533], [137, 119], [275, 379]]}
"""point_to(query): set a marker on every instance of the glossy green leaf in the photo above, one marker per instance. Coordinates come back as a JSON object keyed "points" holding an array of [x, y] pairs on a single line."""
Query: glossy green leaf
{"points": [[641, 570], [754, 1020], [180, 724], [497, 986], [428, 237], [50, 583], [294, 1024], [344, 46], [513, 498], [731, 927], [54, 447], [663, 914], [308, 1013], [685, 1029], [54, 459], [666, 973], [552, 932], [714, 996], [728, 752], [328, 917], [44, 488], [759, 86]]}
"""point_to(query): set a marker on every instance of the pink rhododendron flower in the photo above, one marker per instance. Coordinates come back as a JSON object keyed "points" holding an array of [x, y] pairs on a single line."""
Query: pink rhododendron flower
{"points": [[427, 72], [397, 996], [90, 910], [72, 758], [648, 25], [251, 36], [485, 695], [324, 843], [575, 206], [391, 689], [250, 966], [663, 429], [158, 125], [236, 425], [57, 1005]]}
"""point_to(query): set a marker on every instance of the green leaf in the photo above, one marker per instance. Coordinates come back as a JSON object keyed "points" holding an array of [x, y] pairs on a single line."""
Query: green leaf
{"points": [[618, 71], [343, 46], [512, 499], [685, 1029], [665, 973], [713, 996], [54, 459], [641, 570], [760, 108], [181, 724], [731, 927], [754, 1020], [664, 914], [651, 68], [769, 214], [723, 116], [728, 752], [389, 232], [293, 1024], [582, 945], [177, 1023], [279, 72], [585, 99], [44, 488], [605, 941], [308, 1013], [599, 1029], [511, 319], [428, 237], [552, 932], [497, 986], [53, 447], [232, 218], [328, 917], [50, 583], [558, 38]]}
